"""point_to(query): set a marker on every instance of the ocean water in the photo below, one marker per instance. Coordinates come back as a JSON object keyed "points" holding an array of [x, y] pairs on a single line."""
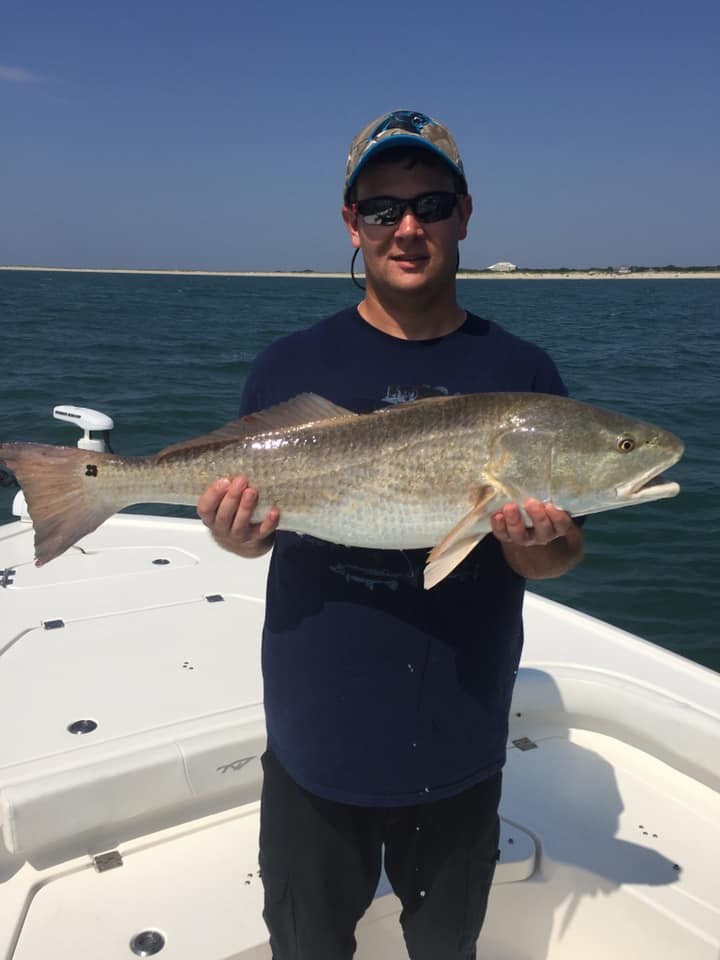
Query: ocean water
{"points": [[165, 356]]}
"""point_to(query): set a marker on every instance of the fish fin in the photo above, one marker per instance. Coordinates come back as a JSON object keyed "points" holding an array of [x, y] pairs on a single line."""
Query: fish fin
{"points": [[457, 544], [305, 408], [436, 570], [64, 493], [460, 531]]}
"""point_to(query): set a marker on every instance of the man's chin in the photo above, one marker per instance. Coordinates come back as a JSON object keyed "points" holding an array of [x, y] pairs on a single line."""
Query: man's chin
{"points": [[421, 279], [406, 273]]}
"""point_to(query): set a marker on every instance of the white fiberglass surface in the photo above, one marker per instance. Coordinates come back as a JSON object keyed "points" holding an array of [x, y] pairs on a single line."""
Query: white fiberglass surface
{"points": [[128, 672], [627, 853]]}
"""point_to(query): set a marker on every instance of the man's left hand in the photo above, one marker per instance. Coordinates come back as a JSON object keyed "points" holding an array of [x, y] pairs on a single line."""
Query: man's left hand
{"points": [[548, 523], [557, 539]]}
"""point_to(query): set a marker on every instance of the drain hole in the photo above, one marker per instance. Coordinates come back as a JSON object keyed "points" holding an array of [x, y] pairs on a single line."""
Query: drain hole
{"points": [[147, 943], [82, 726]]}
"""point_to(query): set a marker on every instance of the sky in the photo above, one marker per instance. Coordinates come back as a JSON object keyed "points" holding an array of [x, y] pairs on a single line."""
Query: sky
{"points": [[213, 136]]}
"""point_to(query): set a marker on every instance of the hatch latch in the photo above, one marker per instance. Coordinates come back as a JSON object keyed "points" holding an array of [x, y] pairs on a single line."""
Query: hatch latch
{"points": [[107, 861]]}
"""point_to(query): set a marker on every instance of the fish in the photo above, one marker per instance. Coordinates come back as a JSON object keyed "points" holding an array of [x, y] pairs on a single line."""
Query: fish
{"points": [[424, 474]]}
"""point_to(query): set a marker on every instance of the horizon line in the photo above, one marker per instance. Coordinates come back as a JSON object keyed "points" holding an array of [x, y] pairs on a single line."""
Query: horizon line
{"points": [[620, 272]]}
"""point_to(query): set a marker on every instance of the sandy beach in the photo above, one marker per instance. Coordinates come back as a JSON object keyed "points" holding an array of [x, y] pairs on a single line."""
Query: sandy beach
{"points": [[709, 274]]}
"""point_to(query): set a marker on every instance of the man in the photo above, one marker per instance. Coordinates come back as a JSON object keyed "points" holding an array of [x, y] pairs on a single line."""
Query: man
{"points": [[387, 705]]}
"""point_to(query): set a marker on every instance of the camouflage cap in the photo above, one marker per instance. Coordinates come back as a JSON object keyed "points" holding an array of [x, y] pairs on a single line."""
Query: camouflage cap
{"points": [[402, 128]]}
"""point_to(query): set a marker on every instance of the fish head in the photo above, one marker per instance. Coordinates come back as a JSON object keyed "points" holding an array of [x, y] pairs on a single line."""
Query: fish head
{"points": [[584, 459], [603, 460]]}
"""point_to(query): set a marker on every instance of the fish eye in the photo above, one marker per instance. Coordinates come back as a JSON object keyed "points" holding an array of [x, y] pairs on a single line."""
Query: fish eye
{"points": [[625, 444]]}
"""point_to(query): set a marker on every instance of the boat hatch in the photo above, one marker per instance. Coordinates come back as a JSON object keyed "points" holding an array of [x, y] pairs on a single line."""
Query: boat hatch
{"points": [[198, 887]]}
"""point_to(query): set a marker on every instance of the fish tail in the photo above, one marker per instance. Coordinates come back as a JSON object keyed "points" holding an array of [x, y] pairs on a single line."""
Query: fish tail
{"points": [[64, 490]]}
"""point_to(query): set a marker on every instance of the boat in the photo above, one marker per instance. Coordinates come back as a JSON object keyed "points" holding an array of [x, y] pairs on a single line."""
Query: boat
{"points": [[132, 729]]}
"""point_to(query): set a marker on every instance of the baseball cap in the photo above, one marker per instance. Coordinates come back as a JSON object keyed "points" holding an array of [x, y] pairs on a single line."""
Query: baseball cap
{"points": [[402, 128]]}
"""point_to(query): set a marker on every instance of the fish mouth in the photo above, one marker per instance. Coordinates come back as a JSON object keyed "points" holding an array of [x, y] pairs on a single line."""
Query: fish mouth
{"points": [[652, 485], [656, 488]]}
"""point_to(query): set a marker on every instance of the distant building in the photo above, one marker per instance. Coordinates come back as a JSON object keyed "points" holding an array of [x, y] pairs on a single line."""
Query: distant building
{"points": [[503, 267]]}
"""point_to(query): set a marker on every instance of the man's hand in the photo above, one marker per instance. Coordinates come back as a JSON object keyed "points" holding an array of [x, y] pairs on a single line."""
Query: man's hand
{"points": [[557, 539], [226, 509]]}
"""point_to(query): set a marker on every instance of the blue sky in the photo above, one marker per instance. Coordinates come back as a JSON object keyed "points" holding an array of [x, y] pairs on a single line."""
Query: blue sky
{"points": [[214, 135]]}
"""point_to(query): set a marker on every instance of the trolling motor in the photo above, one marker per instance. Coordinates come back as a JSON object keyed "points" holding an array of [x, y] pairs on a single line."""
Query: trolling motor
{"points": [[90, 422]]}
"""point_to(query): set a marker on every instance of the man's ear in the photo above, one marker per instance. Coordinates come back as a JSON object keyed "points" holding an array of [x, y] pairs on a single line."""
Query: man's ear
{"points": [[465, 207], [350, 220]]}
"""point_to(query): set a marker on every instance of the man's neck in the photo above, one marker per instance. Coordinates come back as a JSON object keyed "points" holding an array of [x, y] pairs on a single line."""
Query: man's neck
{"points": [[424, 319]]}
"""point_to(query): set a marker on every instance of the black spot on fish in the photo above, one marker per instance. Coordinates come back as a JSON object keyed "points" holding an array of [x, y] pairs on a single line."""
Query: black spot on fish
{"points": [[91, 470]]}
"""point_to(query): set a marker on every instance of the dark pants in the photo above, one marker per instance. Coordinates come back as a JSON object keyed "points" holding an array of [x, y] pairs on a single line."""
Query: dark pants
{"points": [[321, 860]]}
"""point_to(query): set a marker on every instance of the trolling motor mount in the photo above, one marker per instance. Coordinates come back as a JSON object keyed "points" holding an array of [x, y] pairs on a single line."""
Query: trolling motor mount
{"points": [[89, 421]]}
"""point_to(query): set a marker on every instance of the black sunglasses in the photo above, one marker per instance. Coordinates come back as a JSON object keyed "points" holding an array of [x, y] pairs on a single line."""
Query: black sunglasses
{"points": [[387, 211]]}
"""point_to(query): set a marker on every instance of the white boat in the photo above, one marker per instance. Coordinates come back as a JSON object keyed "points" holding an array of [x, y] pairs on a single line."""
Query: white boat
{"points": [[132, 724]]}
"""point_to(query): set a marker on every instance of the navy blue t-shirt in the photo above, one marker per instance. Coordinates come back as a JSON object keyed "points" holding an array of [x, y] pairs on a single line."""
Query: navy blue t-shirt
{"points": [[378, 692]]}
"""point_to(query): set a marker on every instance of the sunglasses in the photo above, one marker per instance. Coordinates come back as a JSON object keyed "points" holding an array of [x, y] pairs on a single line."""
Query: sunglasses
{"points": [[388, 211]]}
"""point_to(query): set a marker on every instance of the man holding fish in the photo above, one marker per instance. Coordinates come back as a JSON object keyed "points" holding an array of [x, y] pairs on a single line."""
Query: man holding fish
{"points": [[387, 704], [396, 426]]}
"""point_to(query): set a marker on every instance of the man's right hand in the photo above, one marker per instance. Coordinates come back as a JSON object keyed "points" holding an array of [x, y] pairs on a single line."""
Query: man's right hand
{"points": [[226, 508]]}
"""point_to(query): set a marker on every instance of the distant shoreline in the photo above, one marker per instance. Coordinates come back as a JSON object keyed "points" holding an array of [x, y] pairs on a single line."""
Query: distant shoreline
{"points": [[679, 274]]}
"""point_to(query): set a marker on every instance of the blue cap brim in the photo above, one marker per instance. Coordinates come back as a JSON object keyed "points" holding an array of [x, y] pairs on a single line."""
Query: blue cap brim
{"points": [[401, 140]]}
